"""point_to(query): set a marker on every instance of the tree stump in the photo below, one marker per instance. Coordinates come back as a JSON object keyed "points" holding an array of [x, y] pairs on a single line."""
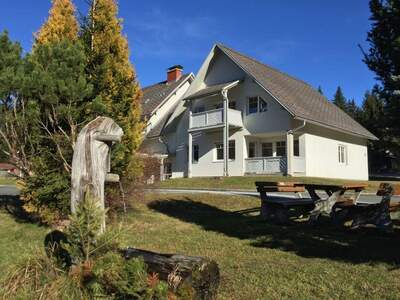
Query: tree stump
{"points": [[194, 276]]}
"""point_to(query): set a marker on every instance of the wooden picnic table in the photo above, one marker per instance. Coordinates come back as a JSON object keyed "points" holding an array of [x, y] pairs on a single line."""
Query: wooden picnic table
{"points": [[279, 208]]}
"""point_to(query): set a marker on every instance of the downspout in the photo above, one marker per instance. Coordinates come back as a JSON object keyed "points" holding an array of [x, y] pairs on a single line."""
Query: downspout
{"points": [[289, 148]]}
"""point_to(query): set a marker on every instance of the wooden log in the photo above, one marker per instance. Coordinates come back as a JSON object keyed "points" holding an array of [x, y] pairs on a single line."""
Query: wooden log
{"points": [[191, 275]]}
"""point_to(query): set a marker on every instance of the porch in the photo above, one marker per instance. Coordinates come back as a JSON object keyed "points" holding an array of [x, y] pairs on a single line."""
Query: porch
{"points": [[270, 155]]}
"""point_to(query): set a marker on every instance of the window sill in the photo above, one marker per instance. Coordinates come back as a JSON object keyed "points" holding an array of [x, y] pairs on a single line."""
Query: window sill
{"points": [[221, 160]]}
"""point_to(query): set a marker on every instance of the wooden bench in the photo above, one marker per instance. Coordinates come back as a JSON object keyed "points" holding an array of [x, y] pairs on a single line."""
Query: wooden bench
{"points": [[377, 214], [278, 208]]}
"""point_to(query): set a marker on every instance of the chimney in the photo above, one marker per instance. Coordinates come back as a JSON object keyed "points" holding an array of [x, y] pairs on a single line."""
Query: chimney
{"points": [[174, 73]]}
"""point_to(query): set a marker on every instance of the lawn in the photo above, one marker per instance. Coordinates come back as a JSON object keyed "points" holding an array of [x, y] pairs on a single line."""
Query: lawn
{"points": [[7, 180], [257, 260], [247, 182]]}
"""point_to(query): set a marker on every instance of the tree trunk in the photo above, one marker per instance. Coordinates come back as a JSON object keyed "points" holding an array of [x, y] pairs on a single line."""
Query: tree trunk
{"points": [[192, 276]]}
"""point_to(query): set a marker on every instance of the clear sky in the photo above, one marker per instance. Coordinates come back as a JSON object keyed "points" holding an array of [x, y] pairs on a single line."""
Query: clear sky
{"points": [[314, 40]]}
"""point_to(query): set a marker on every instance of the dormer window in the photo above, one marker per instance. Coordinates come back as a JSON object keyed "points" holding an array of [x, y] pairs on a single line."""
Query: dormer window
{"points": [[256, 105]]}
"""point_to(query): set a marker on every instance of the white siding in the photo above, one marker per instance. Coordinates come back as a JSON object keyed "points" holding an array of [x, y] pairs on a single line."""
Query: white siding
{"points": [[322, 158]]}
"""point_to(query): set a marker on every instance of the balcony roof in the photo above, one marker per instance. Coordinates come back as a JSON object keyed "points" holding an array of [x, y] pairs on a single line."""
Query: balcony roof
{"points": [[212, 90]]}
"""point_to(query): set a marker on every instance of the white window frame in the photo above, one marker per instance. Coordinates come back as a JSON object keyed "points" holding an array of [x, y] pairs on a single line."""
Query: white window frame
{"points": [[342, 154], [259, 99], [222, 145]]}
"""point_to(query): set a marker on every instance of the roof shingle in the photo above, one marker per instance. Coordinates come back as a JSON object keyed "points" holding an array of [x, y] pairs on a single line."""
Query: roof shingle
{"points": [[155, 94], [298, 97]]}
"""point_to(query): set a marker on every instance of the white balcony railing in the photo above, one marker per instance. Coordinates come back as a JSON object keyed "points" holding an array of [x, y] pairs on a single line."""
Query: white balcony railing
{"points": [[265, 165], [299, 164], [215, 117]]}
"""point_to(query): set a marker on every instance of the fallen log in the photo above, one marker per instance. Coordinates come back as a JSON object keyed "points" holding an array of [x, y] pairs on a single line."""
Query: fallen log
{"points": [[196, 277]]}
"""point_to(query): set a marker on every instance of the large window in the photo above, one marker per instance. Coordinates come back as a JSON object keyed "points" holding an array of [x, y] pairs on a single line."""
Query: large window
{"points": [[232, 150], [219, 147], [252, 149], [195, 153], [342, 152], [266, 149], [256, 104], [296, 148], [281, 148]]}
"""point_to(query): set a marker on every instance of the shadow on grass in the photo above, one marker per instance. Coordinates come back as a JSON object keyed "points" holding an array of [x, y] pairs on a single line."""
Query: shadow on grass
{"points": [[13, 205], [324, 241]]}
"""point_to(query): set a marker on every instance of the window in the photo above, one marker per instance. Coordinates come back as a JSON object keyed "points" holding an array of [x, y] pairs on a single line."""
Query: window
{"points": [[220, 151], [232, 104], [219, 147], [195, 153], [253, 105], [263, 106], [252, 149], [232, 150], [256, 104], [342, 151], [199, 109], [296, 148], [280, 148], [218, 105], [266, 149]]}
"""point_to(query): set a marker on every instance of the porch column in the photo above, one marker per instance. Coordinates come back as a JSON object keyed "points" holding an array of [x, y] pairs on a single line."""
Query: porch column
{"points": [[226, 132], [289, 153], [162, 177], [190, 148]]}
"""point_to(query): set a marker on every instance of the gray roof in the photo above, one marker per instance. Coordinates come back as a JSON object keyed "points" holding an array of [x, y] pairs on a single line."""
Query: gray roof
{"points": [[211, 90], [298, 97], [156, 94]]}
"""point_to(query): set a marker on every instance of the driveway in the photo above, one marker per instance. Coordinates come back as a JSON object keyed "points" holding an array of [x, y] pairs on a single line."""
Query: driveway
{"points": [[8, 190]]}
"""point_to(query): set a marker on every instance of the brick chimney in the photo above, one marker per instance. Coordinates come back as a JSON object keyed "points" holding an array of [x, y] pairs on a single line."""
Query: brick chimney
{"points": [[174, 73]]}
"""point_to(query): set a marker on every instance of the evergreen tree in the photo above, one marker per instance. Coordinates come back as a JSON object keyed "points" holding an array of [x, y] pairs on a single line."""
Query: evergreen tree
{"points": [[339, 100], [320, 90], [18, 129], [56, 83], [116, 90], [383, 58], [60, 25], [353, 110]]}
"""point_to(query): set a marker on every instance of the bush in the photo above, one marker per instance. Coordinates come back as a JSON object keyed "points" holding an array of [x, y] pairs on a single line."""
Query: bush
{"points": [[94, 268]]}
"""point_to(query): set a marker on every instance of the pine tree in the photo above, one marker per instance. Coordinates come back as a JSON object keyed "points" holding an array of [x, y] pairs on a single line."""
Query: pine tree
{"points": [[320, 90], [60, 25], [339, 100], [383, 58], [116, 89], [353, 110]]}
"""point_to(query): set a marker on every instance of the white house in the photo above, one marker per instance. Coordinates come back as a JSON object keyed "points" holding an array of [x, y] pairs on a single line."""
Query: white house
{"points": [[240, 117], [159, 102]]}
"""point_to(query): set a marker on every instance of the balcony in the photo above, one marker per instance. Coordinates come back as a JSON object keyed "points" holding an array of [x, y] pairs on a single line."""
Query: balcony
{"points": [[265, 165], [215, 118]]}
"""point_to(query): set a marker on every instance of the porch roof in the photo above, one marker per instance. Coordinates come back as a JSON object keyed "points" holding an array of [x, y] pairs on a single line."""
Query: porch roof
{"points": [[213, 90]]}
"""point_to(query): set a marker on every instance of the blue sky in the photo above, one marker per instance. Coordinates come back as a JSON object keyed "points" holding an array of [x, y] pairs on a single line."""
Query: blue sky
{"points": [[316, 41]]}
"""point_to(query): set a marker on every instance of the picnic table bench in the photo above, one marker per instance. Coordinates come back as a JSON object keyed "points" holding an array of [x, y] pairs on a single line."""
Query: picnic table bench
{"points": [[377, 214], [279, 208]]}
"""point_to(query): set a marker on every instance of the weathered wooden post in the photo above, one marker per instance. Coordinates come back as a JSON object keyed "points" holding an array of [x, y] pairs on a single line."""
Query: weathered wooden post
{"points": [[91, 160]]}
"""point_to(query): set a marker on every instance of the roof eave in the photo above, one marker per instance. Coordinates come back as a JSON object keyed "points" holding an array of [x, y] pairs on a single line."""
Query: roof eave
{"points": [[370, 137]]}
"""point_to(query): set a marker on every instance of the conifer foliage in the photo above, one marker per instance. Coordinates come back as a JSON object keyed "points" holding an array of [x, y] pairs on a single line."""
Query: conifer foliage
{"points": [[113, 78], [60, 25]]}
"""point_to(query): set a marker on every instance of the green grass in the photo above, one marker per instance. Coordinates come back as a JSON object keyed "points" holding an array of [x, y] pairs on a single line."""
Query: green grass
{"points": [[7, 181], [247, 182], [257, 260]]}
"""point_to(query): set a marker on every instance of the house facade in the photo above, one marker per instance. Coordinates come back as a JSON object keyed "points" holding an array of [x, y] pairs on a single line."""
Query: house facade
{"points": [[240, 117], [160, 102]]}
